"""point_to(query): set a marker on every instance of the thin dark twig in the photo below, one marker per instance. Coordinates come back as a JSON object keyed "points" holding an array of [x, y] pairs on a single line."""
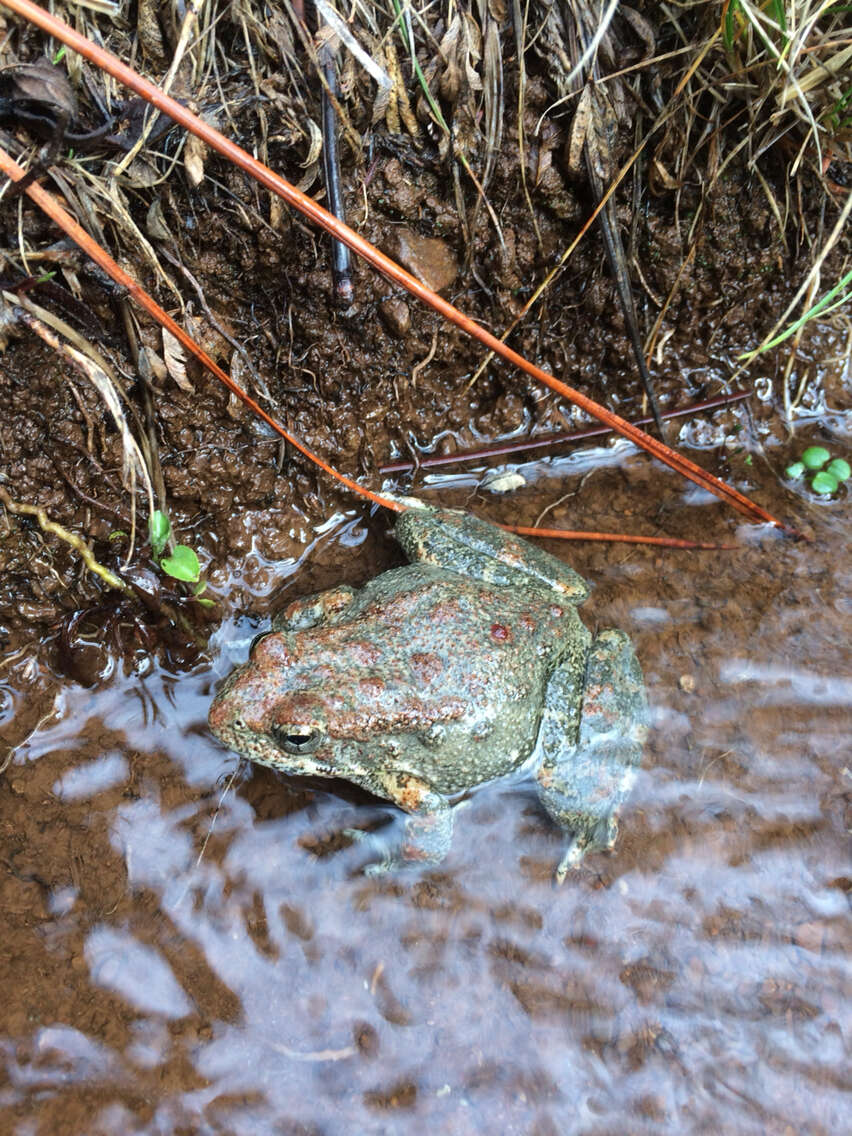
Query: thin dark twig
{"points": [[117, 514], [341, 266], [524, 445]]}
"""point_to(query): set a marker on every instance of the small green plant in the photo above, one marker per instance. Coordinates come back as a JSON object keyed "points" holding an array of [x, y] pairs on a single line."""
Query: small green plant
{"points": [[736, 20], [182, 562], [159, 529], [826, 473], [829, 303], [815, 457], [838, 114]]}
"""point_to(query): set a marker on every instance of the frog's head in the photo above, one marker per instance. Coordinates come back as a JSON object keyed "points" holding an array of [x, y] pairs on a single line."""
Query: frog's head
{"points": [[288, 733], [264, 713]]}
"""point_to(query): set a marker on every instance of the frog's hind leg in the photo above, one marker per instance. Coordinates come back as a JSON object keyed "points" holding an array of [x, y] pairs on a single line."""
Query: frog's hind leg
{"points": [[469, 546], [428, 826], [582, 785]]}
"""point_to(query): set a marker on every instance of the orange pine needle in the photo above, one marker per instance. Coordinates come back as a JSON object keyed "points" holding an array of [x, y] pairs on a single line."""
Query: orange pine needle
{"points": [[309, 208], [618, 538]]}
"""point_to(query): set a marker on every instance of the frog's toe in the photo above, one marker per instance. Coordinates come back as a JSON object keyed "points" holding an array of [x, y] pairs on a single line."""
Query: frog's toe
{"points": [[381, 867], [376, 844], [598, 836], [396, 861], [570, 861], [372, 840]]}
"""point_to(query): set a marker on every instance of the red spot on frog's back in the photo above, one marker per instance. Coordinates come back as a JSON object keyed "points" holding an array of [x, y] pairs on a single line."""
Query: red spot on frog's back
{"points": [[500, 633], [447, 613], [425, 667]]}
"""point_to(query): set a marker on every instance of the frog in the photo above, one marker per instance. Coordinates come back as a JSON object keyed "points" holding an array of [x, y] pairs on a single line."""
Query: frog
{"points": [[442, 675]]}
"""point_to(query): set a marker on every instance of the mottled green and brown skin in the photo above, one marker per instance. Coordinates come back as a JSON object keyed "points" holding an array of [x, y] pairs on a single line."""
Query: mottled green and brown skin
{"points": [[441, 675]]}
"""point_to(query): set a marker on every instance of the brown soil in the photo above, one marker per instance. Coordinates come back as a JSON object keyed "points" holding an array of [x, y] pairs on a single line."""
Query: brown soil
{"points": [[186, 954]]}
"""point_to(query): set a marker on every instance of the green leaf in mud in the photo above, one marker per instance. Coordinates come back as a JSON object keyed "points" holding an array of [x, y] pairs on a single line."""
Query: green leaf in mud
{"points": [[182, 564], [159, 528], [795, 471], [815, 457], [839, 469], [824, 482]]}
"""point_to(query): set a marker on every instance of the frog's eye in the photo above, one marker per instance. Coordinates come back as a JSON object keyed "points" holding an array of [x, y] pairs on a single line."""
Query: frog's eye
{"points": [[296, 739], [257, 640]]}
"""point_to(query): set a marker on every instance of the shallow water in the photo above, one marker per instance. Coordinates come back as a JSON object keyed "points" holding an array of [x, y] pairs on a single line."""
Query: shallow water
{"points": [[186, 954]]}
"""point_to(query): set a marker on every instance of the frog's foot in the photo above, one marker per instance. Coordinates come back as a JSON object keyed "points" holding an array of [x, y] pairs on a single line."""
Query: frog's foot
{"points": [[596, 837], [428, 827], [582, 786], [310, 611]]}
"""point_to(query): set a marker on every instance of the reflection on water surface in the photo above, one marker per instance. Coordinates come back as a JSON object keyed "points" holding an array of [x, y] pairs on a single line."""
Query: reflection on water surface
{"points": [[182, 958]]}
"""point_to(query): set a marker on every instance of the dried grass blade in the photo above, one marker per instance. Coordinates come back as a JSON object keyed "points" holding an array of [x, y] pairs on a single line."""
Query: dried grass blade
{"points": [[133, 464], [341, 28]]}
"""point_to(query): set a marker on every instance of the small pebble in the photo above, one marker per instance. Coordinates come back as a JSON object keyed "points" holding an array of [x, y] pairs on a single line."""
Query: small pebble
{"points": [[503, 482], [396, 316], [428, 258]]}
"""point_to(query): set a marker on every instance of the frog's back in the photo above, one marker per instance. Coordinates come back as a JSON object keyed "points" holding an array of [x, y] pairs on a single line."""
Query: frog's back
{"points": [[437, 674]]}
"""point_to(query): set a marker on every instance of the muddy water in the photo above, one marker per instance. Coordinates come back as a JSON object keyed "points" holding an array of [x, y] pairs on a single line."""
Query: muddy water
{"points": [[184, 952]]}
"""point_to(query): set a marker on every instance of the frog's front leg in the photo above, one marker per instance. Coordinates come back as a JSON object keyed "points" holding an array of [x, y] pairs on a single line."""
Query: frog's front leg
{"points": [[428, 826], [582, 785]]}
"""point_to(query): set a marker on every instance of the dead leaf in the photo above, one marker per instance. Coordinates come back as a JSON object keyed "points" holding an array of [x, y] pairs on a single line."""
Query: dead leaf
{"points": [[193, 160], [236, 407], [155, 222], [42, 82], [316, 145], [580, 126], [174, 354], [641, 27], [662, 176]]}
